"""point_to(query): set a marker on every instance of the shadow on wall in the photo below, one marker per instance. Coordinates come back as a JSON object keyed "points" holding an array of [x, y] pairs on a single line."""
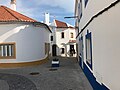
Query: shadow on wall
{"points": [[12, 32], [27, 47]]}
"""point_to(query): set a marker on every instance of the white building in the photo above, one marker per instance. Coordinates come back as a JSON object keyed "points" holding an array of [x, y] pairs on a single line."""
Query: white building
{"points": [[98, 39], [63, 39], [23, 41]]}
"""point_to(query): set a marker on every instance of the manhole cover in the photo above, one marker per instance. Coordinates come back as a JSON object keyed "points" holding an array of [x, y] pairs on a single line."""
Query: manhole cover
{"points": [[34, 73], [52, 69]]}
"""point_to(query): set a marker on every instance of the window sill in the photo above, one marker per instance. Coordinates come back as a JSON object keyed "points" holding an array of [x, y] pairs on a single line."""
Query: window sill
{"points": [[13, 57]]}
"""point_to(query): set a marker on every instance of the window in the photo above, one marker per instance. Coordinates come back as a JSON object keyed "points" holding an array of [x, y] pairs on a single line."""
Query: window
{"points": [[86, 1], [63, 51], [51, 38], [71, 35], [62, 35], [81, 48], [7, 51], [80, 10], [89, 49]]}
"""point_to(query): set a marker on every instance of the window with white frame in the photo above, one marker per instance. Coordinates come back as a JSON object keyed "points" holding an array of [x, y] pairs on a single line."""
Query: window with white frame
{"points": [[89, 49], [71, 35], [62, 35], [62, 50], [7, 51], [51, 38]]}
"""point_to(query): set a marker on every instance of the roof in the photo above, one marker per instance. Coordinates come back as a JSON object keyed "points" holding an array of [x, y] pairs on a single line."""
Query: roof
{"points": [[9, 15], [60, 24]]}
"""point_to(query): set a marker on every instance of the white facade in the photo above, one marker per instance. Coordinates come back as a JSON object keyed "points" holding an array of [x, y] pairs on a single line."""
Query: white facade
{"points": [[101, 19], [29, 41], [63, 43]]}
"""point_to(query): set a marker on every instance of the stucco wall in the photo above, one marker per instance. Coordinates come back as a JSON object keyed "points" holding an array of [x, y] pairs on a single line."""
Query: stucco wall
{"points": [[64, 42], [107, 47], [105, 42], [30, 41]]}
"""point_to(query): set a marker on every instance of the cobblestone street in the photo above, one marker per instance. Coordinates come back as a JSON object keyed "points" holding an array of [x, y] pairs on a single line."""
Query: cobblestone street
{"points": [[68, 76]]}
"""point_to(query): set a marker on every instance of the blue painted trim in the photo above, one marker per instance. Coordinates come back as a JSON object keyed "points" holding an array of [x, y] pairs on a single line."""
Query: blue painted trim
{"points": [[89, 36], [80, 61], [91, 48], [92, 79], [86, 1], [81, 53]]}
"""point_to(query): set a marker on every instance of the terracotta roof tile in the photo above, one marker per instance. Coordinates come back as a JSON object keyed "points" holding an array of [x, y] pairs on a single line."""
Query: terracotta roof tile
{"points": [[60, 24], [7, 15]]}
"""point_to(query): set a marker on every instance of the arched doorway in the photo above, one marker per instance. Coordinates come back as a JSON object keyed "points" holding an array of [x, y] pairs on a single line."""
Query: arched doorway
{"points": [[54, 53]]}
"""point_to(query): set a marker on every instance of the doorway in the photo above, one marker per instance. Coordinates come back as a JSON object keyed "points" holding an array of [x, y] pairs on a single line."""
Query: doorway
{"points": [[72, 50], [54, 46], [71, 47]]}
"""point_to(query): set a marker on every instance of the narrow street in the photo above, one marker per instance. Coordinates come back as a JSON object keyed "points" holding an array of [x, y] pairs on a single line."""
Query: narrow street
{"points": [[68, 76]]}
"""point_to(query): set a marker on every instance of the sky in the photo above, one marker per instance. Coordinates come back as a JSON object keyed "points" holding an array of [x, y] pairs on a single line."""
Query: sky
{"points": [[35, 9]]}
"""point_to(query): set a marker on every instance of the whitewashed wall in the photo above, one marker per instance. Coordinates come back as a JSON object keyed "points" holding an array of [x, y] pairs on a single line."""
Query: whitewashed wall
{"points": [[30, 41], [64, 43], [105, 41], [92, 8]]}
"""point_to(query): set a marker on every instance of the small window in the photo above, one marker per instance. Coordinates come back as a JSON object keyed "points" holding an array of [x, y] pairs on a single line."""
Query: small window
{"points": [[7, 51], [86, 1], [71, 34], [51, 38], [89, 49], [62, 35], [63, 51]]}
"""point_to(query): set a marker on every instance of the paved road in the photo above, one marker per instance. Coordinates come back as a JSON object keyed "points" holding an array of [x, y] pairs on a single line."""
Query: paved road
{"points": [[16, 82], [68, 76]]}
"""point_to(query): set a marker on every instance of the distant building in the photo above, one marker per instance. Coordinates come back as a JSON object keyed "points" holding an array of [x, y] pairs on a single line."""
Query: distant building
{"points": [[98, 42], [63, 39], [23, 41]]}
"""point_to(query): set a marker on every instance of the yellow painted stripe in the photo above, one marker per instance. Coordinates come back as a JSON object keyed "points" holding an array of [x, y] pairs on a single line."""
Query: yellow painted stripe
{"points": [[23, 64]]}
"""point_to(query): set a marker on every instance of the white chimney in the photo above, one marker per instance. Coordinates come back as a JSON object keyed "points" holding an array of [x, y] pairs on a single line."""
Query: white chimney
{"points": [[13, 5], [47, 18]]}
